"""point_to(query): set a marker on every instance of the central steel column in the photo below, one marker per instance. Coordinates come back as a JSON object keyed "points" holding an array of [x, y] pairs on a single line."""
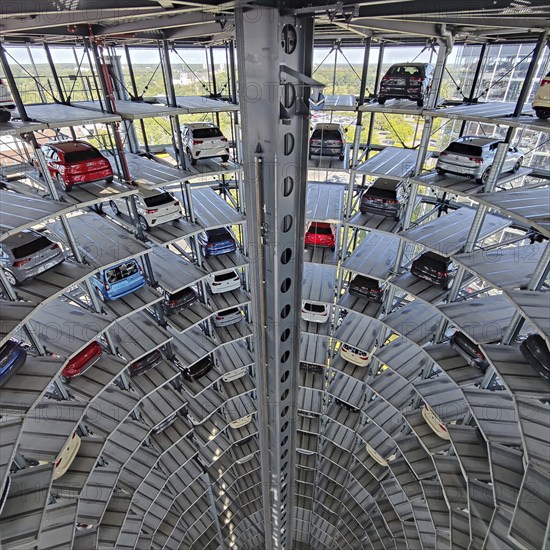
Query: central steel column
{"points": [[275, 60]]}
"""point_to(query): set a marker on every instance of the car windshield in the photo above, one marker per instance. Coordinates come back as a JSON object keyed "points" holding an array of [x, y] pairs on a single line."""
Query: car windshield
{"points": [[28, 249], [404, 70], [366, 282], [315, 308], [203, 133], [227, 312], [326, 134], [218, 235], [120, 272], [225, 276], [185, 293], [157, 200], [465, 149], [319, 230], [80, 156]]}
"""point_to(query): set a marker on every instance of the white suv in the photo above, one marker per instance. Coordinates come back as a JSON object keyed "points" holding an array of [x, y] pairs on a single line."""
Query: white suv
{"points": [[204, 140], [6, 102], [154, 207], [315, 312], [223, 282]]}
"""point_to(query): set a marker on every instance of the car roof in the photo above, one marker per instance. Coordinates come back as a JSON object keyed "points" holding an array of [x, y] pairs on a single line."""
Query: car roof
{"points": [[196, 125], [144, 192], [23, 237], [477, 140], [386, 183], [327, 126], [411, 65], [71, 146]]}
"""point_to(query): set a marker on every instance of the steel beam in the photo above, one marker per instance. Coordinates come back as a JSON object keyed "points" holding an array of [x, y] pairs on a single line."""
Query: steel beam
{"points": [[275, 61]]}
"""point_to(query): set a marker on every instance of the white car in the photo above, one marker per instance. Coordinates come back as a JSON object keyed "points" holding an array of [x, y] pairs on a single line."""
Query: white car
{"points": [[541, 103], [434, 422], [353, 355], [315, 313], [154, 207], [204, 140], [223, 282], [226, 317], [6, 102]]}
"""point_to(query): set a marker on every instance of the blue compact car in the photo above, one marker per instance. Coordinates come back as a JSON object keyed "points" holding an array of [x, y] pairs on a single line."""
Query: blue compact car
{"points": [[217, 241], [12, 356], [119, 280]]}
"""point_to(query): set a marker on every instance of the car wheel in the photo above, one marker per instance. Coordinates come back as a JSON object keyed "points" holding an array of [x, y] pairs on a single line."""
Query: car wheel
{"points": [[381, 100], [420, 101], [440, 171], [192, 160], [485, 176], [64, 186], [114, 208], [143, 223], [225, 158], [517, 166], [101, 296], [542, 114], [10, 277], [64, 379], [5, 115], [109, 179], [341, 157]]}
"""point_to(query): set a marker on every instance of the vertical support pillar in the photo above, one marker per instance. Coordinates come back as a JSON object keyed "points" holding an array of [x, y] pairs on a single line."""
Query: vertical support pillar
{"points": [[358, 126], [58, 86], [275, 60], [376, 87], [171, 96]]}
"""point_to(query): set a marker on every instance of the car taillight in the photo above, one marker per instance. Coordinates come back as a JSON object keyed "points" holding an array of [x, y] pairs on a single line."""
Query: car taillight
{"points": [[176, 203], [477, 160], [74, 435], [140, 269], [19, 263], [216, 284], [363, 354], [545, 82], [58, 462], [54, 246], [172, 302], [107, 286], [197, 141], [441, 273], [210, 245], [223, 139], [417, 79], [391, 201], [480, 355], [387, 78], [218, 317], [151, 211], [442, 427]]}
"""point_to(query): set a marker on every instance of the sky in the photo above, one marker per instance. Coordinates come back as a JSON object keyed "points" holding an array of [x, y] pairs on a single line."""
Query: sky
{"points": [[148, 56]]}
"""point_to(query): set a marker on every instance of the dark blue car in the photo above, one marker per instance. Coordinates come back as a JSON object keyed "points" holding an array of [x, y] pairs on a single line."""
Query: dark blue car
{"points": [[119, 280], [12, 356], [217, 241]]}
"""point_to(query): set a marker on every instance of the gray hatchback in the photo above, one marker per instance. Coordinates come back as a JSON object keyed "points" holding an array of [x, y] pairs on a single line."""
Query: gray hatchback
{"points": [[28, 254]]}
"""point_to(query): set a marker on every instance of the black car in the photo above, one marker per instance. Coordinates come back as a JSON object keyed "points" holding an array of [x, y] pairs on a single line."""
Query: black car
{"points": [[434, 268], [145, 363], [345, 405], [179, 300], [365, 287], [469, 351], [198, 369], [407, 81], [311, 367], [535, 350], [385, 197]]}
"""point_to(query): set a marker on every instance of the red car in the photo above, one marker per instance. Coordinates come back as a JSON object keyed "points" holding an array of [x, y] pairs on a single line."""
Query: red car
{"points": [[82, 361], [75, 162], [321, 234]]}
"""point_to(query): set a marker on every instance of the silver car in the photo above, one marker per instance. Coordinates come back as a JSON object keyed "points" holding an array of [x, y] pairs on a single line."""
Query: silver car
{"points": [[473, 156], [28, 254], [228, 317]]}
